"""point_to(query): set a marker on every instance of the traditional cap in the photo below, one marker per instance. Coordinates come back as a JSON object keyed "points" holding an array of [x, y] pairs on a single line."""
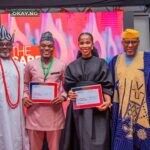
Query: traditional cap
{"points": [[130, 34], [4, 35], [47, 36]]}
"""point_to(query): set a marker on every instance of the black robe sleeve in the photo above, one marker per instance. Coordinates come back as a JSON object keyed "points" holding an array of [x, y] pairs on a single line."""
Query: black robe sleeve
{"points": [[105, 78], [70, 80]]}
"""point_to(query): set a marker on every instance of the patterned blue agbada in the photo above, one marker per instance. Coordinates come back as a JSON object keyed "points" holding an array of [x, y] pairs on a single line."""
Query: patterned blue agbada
{"points": [[140, 139]]}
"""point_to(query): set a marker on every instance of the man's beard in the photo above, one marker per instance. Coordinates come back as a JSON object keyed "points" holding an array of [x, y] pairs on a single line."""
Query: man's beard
{"points": [[5, 55]]}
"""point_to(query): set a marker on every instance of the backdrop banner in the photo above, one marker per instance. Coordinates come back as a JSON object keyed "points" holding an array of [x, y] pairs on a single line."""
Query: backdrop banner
{"points": [[106, 28]]}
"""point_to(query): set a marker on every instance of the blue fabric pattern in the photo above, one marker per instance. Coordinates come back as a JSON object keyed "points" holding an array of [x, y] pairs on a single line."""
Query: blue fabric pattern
{"points": [[119, 140]]}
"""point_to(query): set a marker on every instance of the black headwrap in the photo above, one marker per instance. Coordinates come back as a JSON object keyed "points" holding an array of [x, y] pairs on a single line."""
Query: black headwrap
{"points": [[4, 35], [47, 36], [94, 53]]}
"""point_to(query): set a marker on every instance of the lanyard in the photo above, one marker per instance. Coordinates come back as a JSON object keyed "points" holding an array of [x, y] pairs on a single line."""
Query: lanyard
{"points": [[46, 71]]}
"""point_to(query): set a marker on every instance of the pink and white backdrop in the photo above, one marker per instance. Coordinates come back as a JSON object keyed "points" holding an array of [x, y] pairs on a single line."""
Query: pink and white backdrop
{"points": [[106, 28]]}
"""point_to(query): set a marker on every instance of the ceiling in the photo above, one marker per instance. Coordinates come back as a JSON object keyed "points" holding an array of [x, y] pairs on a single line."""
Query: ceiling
{"points": [[70, 3]]}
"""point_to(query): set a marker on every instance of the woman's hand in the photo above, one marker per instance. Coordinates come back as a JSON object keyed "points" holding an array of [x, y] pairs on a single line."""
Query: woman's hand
{"points": [[27, 102], [72, 95], [106, 104]]}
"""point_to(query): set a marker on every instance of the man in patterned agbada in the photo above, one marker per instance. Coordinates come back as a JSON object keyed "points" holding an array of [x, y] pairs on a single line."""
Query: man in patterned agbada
{"points": [[131, 105]]}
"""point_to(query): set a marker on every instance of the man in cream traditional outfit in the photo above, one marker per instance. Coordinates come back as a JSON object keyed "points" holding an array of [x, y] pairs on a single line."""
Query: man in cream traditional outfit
{"points": [[131, 102], [12, 129], [45, 119]]}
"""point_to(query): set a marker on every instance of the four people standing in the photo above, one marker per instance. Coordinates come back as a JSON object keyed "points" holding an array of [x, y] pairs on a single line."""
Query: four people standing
{"points": [[85, 129]]}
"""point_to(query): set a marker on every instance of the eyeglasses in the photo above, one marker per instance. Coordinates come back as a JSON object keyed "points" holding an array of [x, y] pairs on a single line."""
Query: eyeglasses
{"points": [[130, 42], [7, 44]]}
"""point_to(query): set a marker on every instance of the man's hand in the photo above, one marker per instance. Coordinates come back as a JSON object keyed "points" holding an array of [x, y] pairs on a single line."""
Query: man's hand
{"points": [[58, 100], [27, 102]]}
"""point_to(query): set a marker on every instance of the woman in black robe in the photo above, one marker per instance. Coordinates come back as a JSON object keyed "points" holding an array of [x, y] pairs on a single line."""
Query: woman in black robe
{"points": [[87, 129]]}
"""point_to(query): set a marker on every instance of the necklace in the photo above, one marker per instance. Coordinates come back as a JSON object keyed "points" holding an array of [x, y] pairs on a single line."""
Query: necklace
{"points": [[12, 105]]}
